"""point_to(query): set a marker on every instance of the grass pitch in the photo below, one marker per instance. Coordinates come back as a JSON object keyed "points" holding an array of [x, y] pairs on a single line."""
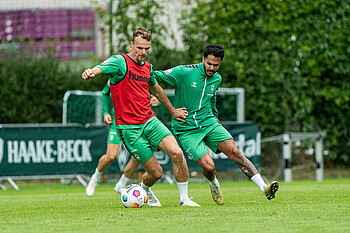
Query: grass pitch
{"points": [[300, 206]]}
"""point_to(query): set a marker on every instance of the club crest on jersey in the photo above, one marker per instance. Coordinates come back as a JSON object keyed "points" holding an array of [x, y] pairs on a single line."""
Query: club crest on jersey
{"points": [[212, 87], [105, 62], [168, 71]]}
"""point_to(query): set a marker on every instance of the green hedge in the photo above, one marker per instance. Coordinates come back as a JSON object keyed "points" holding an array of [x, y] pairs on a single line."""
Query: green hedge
{"points": [[292, 58], [32, 89]]}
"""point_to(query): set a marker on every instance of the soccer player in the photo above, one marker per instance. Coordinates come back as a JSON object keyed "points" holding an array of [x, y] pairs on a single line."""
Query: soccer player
{"points": [[195, 89], [137, 124], [113, 144]]}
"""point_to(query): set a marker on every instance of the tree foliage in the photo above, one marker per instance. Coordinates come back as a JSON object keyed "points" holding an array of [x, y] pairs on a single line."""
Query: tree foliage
{"points": [[292, 58], [32, 88], [128, 15]]}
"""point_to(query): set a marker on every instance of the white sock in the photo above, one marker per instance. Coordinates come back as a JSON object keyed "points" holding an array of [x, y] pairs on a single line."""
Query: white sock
{"points": [[183, 190], [145, 187], [122, 181], [258, 180], [96, 175], [214, 183]]}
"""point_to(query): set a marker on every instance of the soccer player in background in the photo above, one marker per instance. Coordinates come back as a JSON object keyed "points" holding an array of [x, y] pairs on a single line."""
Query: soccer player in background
{"points": [[195, 89], [113, 144], [137, 124]]}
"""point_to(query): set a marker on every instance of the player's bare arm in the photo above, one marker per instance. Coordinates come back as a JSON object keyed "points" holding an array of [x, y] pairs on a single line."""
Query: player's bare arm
{"points": [[180, 114], [91, 73]]}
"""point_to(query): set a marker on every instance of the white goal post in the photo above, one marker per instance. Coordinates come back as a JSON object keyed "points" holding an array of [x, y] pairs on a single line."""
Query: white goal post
{"points": [[288, 139], [96, 104]]}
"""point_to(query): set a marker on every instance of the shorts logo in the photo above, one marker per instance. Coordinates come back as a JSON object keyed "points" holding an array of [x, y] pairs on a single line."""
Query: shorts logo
{"points": [[136, 156], [1, 149], [105, 62], [168, 71]]}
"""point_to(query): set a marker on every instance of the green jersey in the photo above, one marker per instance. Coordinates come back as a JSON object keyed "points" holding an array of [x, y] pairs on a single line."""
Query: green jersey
{"points": [[115, 67], [120, 72], [195, 91]]}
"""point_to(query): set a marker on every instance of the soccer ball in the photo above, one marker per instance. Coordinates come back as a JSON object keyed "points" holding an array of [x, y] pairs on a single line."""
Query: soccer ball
{"points": [[134, 196]]}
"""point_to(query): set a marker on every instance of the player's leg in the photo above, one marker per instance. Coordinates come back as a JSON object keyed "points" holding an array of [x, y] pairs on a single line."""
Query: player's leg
{"points": [[161, 138], [229, 148], [139, 147], [193, 144], [103, 164], [129, 170], [208, 169], [153, 173], [170, 146]]}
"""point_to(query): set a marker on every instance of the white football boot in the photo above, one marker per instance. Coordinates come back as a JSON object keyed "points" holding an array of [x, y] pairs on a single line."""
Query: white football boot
{"points": [[189, 202], [90, 188], [118, 188], [152, 200]]}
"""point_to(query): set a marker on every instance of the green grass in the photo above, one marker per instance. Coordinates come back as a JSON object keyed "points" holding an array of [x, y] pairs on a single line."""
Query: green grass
{"points": [[300, 206]]}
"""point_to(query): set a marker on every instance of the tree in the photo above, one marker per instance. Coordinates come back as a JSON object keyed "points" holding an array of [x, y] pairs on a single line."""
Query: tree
{"points": [[127, 15], [290, 56]]}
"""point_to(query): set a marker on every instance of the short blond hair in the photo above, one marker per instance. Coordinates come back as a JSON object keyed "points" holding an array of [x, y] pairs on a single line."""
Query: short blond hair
{"points": [[143, 32]]}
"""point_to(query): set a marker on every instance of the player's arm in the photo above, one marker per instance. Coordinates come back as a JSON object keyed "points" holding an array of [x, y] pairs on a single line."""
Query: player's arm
{"points": [[179, 114], [213, 106], [105, 103], [91, 73], [170, 76]]}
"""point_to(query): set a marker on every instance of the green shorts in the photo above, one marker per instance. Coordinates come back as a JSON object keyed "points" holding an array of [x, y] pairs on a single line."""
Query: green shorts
{"points": [[195, 142], [113, 135], [140, 141]]}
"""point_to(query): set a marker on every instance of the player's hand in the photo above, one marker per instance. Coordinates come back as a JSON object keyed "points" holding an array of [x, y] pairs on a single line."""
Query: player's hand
{"points": [[154, 101], [180, 114], [88, 74], [107, 119]]}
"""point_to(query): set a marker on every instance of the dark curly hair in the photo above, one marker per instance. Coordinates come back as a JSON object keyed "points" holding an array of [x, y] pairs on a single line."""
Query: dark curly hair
{"points": [[215, 50]]}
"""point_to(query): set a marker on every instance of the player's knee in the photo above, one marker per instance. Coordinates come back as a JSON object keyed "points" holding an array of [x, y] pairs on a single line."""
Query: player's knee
{"points": [[111, 156], [158, 173], [209, 168], [177, 155]]}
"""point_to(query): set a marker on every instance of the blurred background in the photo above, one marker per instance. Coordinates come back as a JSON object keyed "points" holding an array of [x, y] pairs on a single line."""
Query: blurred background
{"points": [[291, 58]]}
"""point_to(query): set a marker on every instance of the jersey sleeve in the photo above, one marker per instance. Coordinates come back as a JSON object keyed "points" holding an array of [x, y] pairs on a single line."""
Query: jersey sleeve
{"points": [[213, 100], [171, 76], [152, 80], [213, 106], [114, 67], [105, 98]]}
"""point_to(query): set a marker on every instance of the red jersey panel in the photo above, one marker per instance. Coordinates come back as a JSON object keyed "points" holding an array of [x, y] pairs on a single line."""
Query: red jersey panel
{"points": [[131, 95]]}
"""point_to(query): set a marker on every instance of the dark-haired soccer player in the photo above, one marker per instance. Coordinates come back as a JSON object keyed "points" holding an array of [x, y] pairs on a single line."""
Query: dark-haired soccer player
{"points": [[195, 89], [138, 126]]}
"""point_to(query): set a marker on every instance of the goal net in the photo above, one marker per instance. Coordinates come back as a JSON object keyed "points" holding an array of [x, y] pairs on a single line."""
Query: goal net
{"points": [[85, 107], [298, 155]]}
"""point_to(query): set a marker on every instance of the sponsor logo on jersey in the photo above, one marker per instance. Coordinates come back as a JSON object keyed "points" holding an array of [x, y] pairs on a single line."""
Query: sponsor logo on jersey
{"points": [[168, 71], [138, 78], [194, 84], [105, 62]]}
